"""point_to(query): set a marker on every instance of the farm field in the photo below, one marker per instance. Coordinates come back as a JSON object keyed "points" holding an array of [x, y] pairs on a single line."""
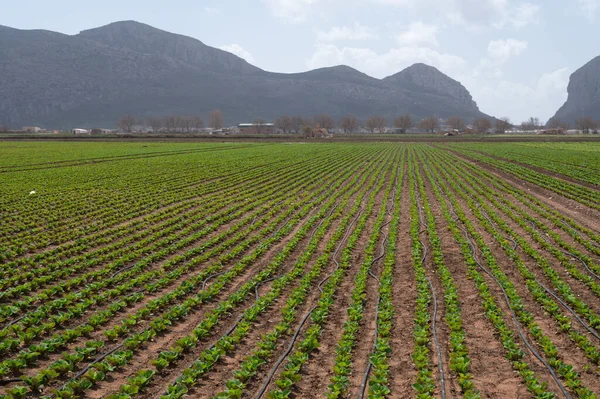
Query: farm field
{"points": [[299, 270]]}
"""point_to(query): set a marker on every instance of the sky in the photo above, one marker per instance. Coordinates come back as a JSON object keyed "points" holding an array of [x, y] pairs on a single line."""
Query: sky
{"points": [[515, 57]]}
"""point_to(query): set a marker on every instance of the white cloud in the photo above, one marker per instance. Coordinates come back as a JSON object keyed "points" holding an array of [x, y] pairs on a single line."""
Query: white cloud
{"points": [[499, 52], [556, 81], [212, 10], [476, 14], [502, 50], [589, 8], [523, 15], [356, 32], [499, 14], [384, 64], [239, 51], [468, 14], [541, 97], [419, 33], [294, 10]]}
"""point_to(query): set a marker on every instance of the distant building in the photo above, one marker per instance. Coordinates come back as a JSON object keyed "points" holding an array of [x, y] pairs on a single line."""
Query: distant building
{"points": [[256, 128], [101, 131], [80, 131], [32, 129]]}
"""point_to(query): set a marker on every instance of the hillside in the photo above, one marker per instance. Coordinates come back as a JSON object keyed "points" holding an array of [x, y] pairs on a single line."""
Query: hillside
{"points": [[90, 79], [584, 94]]}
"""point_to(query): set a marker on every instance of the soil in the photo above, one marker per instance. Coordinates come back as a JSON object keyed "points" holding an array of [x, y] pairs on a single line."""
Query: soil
{"points": [[492, 374]]}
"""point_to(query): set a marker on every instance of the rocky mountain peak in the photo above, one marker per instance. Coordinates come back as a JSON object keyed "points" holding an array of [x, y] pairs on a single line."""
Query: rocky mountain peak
{"points": [[584, 94], [422, 77], [129, 68], [145, 39]]}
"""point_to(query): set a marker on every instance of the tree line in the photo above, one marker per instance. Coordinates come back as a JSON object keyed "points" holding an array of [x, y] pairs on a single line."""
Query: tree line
{"points": [[171, 123], [378, 124], [350, 124]]}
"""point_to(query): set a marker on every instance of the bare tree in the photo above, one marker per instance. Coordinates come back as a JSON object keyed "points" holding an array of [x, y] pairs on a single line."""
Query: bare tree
{"points": [[482, 125], [170, 123], [556, 123], [380, 123], [403, 123], [126, 123], [531, 124], [375, 123], [586, 124], [155, 123], [456, 123], [297, 123], [429, 124], [186, 123], [284, 123], [502, 125], [324, 121], [349, 124], [198, 123], [259, 125], [216, 119]]}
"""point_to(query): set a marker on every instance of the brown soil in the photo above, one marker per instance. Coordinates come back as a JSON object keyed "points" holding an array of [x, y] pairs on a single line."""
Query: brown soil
{"points": [[584, 215], [570, 354], [492, 373], [402, 370]]}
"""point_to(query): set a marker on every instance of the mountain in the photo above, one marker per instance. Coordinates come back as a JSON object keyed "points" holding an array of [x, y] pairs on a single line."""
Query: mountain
{"points": [[426, 81], [144, 39], [584, 94], [92, 78]]}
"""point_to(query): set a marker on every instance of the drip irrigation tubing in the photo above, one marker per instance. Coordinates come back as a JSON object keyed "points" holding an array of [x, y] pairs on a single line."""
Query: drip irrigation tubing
{"points": [[241, 317], [312, 235], [565, 251], [506, 297], [281, 359], [86, 368], [582, 322], [363, 386], [433, 320]]}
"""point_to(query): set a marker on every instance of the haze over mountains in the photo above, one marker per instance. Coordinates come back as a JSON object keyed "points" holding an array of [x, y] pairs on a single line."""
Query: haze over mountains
{"points": [[91, 79]]}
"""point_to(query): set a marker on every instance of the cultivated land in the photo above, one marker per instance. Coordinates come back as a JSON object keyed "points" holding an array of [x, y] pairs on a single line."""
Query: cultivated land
{"points": [[302, 270]]}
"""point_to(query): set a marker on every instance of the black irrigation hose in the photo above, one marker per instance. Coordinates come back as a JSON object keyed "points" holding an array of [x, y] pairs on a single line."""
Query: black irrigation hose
{"points": [[433, 320], [485, 215], [312, 235], [75, 293], [514, 316], [222, 273], [363, 386], [565, 252], [209, 278], [583, 323], [121, 271], [143, 290], [319, 286], [86, 368], [241, 317], [10, 381], [14, 321], [284, 355]]}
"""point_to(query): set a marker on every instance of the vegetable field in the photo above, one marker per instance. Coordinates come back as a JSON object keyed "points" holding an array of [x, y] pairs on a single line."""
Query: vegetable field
{"points": [[317, 270]]}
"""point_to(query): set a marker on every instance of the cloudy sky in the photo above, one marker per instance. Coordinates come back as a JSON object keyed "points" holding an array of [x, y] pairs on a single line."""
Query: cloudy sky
{"points": [[514, 56]]}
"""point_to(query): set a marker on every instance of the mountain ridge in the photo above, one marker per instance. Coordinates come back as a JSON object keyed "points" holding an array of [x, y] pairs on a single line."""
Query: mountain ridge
{"points": [[583, 94], [91, 78]]}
